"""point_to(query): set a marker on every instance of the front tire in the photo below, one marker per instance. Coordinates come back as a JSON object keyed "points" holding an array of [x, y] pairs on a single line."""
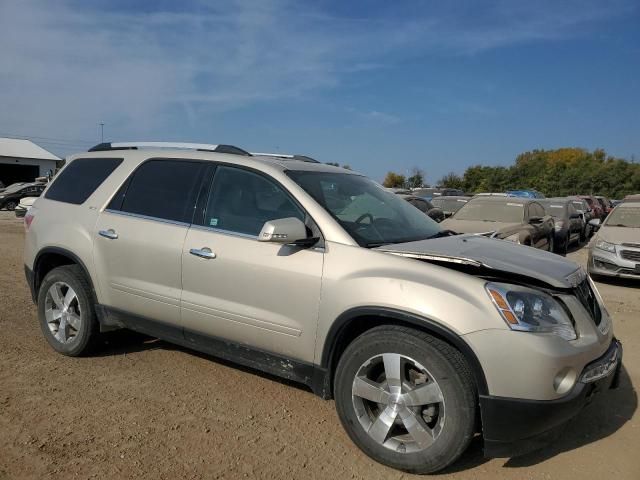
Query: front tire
{"points": [[406, 399], [66, 311], [10, 205]]}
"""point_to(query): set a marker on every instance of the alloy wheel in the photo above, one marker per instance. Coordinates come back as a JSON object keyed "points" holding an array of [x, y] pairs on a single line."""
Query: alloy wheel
{"points": [[398, 403], [62, 312]]}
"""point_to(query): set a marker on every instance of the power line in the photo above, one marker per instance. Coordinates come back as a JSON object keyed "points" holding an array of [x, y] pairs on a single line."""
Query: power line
{"points": [[48, 139]]}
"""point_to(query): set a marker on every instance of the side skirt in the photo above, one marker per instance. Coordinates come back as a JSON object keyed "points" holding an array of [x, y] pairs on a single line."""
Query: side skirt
{"points": [[313, 376]]}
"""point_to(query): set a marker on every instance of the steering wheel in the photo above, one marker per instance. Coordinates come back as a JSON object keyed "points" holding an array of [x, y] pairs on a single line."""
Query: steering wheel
{"points": [[363, 216]]}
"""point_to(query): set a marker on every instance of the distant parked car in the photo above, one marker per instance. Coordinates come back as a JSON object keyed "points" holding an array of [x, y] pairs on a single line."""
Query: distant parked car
{"points": [[12, 186], [568, 223], [450, 204], [10, 198], [524, 193], [425, 206], [24, 206], [615, 249], [598, 211], [490, 194], [606, 204], [583, 208], [431, 193], [520, 220]]}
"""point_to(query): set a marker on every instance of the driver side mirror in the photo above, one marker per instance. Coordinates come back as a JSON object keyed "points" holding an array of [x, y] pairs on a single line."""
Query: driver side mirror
{"points": [[595, 223], [287, 231]]}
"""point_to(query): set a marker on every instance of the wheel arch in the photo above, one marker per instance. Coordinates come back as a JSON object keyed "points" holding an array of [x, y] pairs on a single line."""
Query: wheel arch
{"points": [[356, 321], [52, 257]]}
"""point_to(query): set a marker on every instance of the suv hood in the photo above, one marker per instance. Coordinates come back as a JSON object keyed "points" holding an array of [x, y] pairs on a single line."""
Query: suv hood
{"points": [[619, 234], [478, 226], [497, 255]]}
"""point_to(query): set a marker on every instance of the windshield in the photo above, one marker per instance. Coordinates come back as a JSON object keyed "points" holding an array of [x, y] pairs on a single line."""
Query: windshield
{"points": [[449, 204], [369, 213], [579, 206], [487, 211], [624, 217], [556, 210]]}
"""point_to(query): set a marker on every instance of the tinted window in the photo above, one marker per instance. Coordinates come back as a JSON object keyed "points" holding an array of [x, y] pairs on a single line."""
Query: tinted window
{"points": [[536, 210], [242, 201], [164, 189], [80, 179]]}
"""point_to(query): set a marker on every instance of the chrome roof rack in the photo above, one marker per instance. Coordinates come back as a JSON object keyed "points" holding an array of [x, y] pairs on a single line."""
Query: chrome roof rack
{"points": [[202, 147], [302, 158]]}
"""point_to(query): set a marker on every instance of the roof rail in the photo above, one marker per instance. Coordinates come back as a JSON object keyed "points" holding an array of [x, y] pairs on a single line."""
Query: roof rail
{"points": [[302, 158], [201, 147]]}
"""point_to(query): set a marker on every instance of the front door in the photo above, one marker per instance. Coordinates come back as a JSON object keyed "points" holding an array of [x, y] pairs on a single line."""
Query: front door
{"points": [[263, 295]]}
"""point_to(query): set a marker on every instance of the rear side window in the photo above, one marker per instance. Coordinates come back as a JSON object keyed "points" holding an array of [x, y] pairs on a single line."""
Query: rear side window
{"points": [[165, 189], [80, 179]]}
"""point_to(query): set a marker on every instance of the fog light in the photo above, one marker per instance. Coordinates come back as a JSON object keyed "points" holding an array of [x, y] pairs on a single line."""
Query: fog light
{"points": [[565, 380]]}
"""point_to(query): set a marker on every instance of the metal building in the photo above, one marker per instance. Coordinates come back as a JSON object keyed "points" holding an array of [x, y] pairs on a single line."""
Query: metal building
{"points": [[23, 161]]}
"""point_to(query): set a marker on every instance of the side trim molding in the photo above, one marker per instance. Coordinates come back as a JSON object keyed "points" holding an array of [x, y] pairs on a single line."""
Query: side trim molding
{"points": [[295, 370]]}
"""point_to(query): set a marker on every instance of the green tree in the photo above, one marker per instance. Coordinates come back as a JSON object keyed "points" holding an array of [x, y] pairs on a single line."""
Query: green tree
{"points": [[394, 180], [416, 179]]}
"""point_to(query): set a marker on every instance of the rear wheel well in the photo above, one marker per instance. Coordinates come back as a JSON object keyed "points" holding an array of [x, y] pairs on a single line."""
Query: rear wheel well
{"points": [[357, 325], [50, 259]]}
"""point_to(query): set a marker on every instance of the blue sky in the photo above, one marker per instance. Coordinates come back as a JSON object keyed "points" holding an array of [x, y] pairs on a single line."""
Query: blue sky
{"points": [[379, 85]]}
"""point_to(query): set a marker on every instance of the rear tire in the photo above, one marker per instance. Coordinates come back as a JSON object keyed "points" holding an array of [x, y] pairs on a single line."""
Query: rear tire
{"points": [[420, 423], [10, 205], [66, 310]]}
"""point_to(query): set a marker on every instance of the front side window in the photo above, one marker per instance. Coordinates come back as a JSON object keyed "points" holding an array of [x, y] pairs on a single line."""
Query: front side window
{"points": [[241, 201], [164, 189], [536, 210], [372, 215]]}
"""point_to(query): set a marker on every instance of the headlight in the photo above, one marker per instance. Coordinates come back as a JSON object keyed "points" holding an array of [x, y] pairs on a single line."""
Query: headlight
{"points": [[529, 310], [606, 246], [559, 225], [513, 238]]}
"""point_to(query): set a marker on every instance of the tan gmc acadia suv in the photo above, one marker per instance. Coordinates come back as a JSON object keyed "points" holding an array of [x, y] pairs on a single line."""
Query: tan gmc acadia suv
{"points": [[317, 274]]}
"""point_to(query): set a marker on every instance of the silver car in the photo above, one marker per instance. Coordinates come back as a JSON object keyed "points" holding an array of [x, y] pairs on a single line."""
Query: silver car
{"points": [[615, 250], [320, 275]]}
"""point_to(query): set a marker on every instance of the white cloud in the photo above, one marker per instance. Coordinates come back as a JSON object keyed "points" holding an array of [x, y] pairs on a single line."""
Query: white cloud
{"points": [[65, 66]]}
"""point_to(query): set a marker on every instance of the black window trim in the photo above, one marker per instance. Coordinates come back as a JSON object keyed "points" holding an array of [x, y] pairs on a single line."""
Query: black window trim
{"points": [[53, 180], [216, 164], [202, 197], [126, 183]]}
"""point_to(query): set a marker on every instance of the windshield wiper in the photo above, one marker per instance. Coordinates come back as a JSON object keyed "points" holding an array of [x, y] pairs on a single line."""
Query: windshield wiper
{"points": [[377, 244], [443, 233]]}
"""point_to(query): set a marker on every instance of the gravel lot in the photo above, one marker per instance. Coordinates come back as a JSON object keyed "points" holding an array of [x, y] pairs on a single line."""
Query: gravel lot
{"points": [[142, 408]]}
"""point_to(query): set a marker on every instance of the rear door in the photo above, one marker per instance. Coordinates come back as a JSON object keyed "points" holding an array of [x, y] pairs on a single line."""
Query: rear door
{"points": [[139, 237], [260, 294], [540, 231]]}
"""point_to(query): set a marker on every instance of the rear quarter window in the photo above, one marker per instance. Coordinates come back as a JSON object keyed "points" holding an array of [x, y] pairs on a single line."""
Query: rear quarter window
{"points": [[80, 179]]}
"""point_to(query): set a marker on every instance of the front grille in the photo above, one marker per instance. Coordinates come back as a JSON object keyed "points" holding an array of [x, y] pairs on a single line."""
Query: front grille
{"points": [[630, 255], [588, 298], [632, 245]]}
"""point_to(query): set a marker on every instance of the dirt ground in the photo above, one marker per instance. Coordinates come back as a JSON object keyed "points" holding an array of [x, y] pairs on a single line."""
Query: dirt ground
{"points": [[142, 408]]}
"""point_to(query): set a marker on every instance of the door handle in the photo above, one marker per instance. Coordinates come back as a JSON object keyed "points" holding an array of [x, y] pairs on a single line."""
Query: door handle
{"points": [[204, 252], [110, 234]]}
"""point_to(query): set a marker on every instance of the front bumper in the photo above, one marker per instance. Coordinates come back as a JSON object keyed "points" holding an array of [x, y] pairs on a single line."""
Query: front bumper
{"points": [[20, 211], [613, 264], [513, 427], [28, 273]]}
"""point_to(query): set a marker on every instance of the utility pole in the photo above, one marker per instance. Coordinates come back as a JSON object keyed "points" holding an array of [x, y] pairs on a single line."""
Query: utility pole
{"points": [[101, 132]]}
